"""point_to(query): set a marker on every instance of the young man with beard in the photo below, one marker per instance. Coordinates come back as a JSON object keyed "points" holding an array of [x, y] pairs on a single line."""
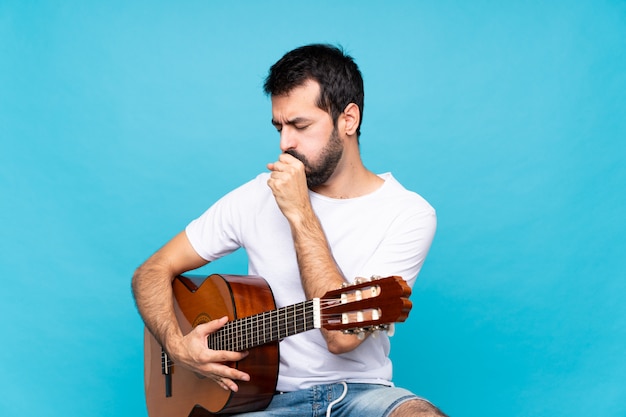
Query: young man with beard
{"points": [[317, 220]]}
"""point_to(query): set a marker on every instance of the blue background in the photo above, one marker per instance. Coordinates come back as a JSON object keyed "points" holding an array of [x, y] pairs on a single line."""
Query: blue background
{"points": [[121, 121]]}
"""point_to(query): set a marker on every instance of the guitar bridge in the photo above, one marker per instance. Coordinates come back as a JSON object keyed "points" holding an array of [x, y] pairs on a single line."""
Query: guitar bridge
{"points": [[166, 370]]}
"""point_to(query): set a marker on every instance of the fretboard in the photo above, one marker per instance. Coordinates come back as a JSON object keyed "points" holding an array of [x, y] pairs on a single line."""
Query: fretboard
{"points": [[266, 327]]}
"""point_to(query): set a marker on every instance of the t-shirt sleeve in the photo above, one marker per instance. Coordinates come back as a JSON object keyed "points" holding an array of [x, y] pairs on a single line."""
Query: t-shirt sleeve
{"points": [[217, 232]]}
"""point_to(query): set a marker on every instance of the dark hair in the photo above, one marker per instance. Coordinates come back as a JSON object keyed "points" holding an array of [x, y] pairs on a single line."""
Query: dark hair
{"points": [[336, 72]]}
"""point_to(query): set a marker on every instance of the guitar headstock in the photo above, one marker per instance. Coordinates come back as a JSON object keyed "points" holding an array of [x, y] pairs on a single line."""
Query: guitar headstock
{"points": [[368, 305]]}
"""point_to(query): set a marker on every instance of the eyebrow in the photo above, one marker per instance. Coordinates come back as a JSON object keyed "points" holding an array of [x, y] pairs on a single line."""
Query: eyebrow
{"points": [[291, 122]]}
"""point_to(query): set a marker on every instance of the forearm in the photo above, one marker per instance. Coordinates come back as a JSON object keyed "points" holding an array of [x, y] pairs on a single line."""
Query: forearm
{"points": [[319, 273], [318, 269], [152, 289]]}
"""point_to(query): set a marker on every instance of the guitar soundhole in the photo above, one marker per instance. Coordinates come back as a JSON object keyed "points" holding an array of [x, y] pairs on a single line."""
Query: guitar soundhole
{"points": [[201, 319]]}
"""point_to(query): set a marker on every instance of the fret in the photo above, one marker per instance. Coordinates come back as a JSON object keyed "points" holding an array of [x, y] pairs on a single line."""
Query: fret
{"points": [[241, 334], [282, 326], [262, 328], [275, 325], [279, 325], [294, 319]]}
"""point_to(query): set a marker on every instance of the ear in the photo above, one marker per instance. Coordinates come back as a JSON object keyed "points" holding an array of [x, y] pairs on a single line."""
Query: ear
{"points": [[351, 117]]}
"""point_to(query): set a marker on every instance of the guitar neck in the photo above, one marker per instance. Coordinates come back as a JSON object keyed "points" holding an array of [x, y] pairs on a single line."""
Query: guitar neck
{"points": [[266, 327]]}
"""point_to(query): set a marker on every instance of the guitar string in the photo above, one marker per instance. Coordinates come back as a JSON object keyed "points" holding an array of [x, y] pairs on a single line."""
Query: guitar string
{"points": [[240, 335], [233, 333]]}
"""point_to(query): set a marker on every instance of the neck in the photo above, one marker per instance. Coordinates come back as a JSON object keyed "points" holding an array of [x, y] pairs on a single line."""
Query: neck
{"points": [[350, 181]]}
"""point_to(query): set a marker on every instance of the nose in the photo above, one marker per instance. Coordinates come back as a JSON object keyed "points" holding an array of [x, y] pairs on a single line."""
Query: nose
{"points": [[287, 139]]}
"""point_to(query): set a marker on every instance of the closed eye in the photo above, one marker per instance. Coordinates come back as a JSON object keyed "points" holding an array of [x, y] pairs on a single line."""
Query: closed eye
{"points": [[299, 123]]}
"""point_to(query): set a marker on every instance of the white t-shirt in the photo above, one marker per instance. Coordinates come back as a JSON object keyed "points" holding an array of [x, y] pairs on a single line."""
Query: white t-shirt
{"points": [[387, 232]]}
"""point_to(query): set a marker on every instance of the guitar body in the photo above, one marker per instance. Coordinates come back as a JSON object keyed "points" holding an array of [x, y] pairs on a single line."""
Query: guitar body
{"points": [[184, 393]]}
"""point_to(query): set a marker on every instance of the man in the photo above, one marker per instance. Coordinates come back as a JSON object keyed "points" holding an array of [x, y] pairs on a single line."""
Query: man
{"points": [[318, 219]]}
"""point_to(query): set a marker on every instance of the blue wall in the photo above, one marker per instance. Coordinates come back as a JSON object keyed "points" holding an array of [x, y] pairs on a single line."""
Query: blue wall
{"points": [[121, 121]]}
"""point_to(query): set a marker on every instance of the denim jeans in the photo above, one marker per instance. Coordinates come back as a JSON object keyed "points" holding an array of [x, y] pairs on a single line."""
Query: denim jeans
{"points": [[355, 400]]}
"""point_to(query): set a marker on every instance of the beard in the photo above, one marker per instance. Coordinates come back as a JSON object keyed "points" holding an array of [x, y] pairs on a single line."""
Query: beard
{"points": [[317, 174]]}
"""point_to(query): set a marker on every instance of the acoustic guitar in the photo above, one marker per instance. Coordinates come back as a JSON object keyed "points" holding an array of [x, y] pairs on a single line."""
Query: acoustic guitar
{"points": [[256, 325]]}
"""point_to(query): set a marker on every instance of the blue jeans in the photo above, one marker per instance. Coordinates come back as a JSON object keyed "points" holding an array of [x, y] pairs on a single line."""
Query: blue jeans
{"points": [[359, 400]]}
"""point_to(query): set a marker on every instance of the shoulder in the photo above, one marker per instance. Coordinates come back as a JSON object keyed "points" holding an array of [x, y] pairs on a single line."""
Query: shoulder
{"points": [[398, 194], [254, 188], [259, 182], [242, 199]]}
